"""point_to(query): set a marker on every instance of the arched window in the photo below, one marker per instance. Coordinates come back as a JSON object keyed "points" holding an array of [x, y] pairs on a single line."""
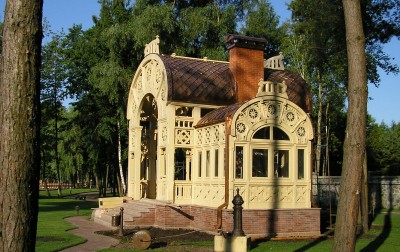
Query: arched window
{"points": [[265, 133], [271, 155], [280, 134]]}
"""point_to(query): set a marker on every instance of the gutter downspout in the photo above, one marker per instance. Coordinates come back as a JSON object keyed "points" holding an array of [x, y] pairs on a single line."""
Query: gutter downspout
{"points": [[228, 122]]}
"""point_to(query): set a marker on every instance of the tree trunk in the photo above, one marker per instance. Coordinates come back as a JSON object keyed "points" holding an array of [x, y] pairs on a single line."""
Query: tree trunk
{"points": [[44, 174], [319, 136], [354, 144], [20, 124], [121, 172], [59, 194], [364, 197]]}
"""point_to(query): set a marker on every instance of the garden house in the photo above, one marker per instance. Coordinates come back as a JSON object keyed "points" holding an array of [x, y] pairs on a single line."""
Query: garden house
{"points": [[199, 129]]}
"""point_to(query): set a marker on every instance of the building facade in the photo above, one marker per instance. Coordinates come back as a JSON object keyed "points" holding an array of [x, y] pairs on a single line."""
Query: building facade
{"points": [[199, 129]]}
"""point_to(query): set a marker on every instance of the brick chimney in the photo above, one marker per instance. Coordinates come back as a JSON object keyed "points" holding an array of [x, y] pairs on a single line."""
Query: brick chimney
{"points": [[246, 62]]}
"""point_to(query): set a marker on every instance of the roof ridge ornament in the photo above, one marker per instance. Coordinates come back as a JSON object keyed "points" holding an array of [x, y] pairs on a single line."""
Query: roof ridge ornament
{"points": [[152, 47], [272, 88], [276, 62]]}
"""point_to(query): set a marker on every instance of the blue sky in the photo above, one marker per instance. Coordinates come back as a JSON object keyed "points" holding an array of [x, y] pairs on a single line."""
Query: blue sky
{"points": [[385, 103]]}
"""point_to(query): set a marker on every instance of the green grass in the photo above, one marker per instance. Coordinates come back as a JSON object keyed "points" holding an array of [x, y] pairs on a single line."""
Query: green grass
{"points": [[52, 228], [383, 236]]}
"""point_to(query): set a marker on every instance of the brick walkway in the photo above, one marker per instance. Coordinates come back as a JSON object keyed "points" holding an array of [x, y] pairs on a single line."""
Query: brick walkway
{"points": [[86, 228]]}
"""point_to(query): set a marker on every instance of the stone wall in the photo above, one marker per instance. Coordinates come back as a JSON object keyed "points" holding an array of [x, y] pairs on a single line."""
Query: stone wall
{"points": [[384, 191]]}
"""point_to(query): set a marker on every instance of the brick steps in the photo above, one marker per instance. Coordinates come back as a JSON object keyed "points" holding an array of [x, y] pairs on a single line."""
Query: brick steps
{"points": [[135, 211]]}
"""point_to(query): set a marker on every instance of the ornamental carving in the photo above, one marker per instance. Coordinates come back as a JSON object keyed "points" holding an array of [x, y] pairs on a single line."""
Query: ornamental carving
{"points": [[253, 113], [183, 136], [163, 93], [164, 134], [271, 109], [139, 83], [152, 47], [200, 136], [261, 194], [277, 112], [301, 194], [241, 127], [216, 133], [301, 131]]}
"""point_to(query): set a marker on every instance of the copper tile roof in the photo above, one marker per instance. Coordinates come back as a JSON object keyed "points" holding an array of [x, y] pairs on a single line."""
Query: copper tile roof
{"points": [[218, 115], [199, 81], [297, 88]]}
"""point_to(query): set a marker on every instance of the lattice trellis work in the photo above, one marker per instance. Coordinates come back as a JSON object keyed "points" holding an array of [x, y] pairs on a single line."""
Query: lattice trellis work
{"points": [[183, 136], [210, 135], [208, 193], [302, 192], [271, 193]]}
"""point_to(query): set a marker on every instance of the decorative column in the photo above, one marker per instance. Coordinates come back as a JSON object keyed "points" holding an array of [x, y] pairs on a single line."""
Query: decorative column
{"points": [[237, 214]]}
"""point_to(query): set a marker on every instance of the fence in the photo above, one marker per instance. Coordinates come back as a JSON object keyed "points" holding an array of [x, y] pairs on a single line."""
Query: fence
{"points": [[383, 191], [52, 186]]}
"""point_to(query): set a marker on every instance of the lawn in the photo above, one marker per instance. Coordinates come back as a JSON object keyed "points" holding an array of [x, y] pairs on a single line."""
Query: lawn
{"points": [[52, 228], [383, 236]]}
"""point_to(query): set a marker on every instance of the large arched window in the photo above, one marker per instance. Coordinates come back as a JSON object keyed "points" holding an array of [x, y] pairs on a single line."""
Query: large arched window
{"points": [[270, 157], [265, 133]]}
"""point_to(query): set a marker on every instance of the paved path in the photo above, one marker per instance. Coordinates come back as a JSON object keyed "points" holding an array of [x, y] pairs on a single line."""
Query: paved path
{"points": [[86, 229]]}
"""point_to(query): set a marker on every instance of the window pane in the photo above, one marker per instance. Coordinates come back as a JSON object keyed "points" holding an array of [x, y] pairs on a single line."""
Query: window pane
{"points": [[260, 163], [281, 164], [207, 163], [180, 164], [262, 133], [300, 164], [199, 166], [216, 163], [223, 169], [280, 134], [239, 162]]}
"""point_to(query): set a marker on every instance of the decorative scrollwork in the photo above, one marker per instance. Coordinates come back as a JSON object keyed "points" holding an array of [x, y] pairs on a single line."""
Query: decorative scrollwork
{"points": [[272, 109], [164, 134], [148, 72], [301, 131], [241, 127], [253, 113], [163, 93], [158, 75], [290, 116], [139, 83]]}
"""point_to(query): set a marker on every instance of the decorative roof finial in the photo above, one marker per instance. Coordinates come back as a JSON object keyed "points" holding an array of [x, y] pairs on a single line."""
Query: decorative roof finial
{"points": [[276, 62], [152, 47]]}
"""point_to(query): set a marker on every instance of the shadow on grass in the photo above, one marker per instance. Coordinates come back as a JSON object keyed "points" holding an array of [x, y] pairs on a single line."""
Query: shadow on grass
{"points": [[380, 239], [315, 242], [65, 205]]}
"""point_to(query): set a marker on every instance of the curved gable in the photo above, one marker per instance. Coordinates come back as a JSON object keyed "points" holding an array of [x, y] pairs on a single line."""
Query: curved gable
{"points": [[150, 78], [274, 111]]}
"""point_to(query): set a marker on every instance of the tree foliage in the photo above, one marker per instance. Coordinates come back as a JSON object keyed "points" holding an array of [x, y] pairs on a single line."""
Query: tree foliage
{"points": [[316, 47], [383, 148], [99, 63]]}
